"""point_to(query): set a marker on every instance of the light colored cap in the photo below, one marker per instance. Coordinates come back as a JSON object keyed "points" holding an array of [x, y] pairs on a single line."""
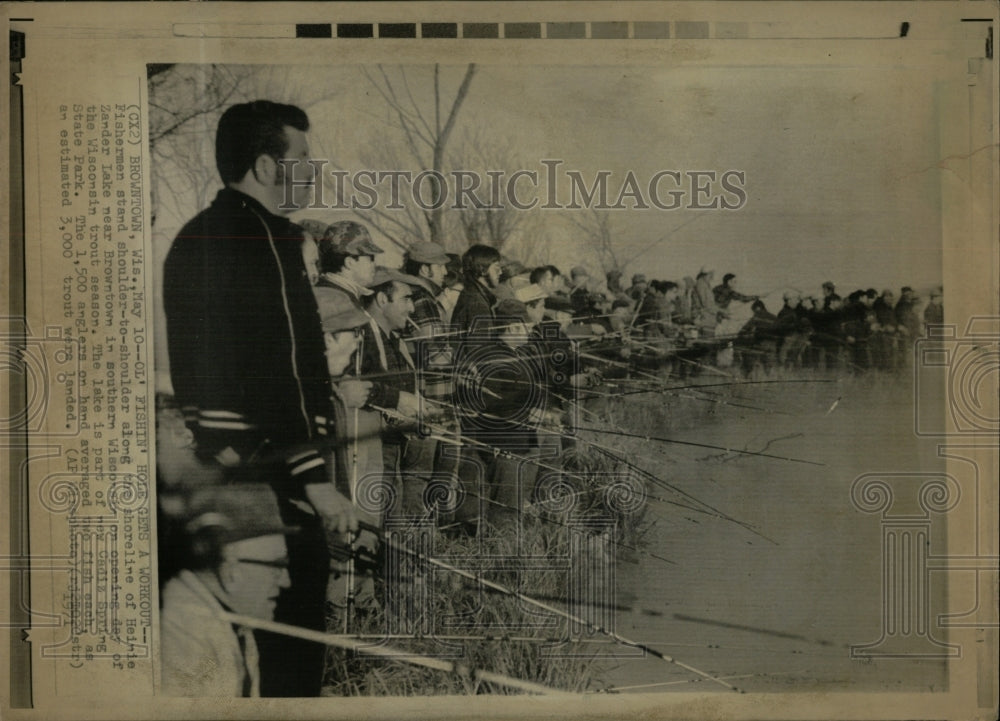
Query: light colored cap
{"points": [[530, 293]]}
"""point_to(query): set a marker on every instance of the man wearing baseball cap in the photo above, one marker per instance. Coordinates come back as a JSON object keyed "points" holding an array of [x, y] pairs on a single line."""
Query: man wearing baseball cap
{"points": [[235, 560], [346, 264], [427, 264]]}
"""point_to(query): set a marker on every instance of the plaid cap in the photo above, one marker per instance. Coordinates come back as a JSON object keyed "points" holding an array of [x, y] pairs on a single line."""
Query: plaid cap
{"points": [[348, 238], [240, 510]]}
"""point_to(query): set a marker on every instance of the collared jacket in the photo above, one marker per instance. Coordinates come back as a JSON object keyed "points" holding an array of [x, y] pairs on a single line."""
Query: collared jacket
{"points": [[386, 357], [475, 303], [201, 653], [247, 357], [724, 295], [428, 313], [502, 393], [335, 294]]}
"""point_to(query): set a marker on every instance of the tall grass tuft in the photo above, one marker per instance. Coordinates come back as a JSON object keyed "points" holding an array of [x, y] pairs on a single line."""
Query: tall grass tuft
{"points": [[558, 552]]}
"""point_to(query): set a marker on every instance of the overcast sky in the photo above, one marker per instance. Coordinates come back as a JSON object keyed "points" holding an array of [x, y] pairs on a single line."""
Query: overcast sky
{"points": [[839, 164]]}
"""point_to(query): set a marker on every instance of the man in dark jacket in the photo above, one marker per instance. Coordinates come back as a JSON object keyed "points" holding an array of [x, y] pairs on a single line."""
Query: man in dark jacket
{"points": [[481, 265], [726, 293], [758, 339], [385, 356], [859, 327], [934, 312], [793, 331], [247, 359], [501, 392], [884, 340]]}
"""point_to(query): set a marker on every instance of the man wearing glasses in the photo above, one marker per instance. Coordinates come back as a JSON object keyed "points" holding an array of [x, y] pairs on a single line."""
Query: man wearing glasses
{"points": [[234, 560]]}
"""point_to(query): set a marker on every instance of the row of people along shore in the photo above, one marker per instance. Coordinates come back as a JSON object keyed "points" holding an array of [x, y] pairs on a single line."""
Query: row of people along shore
{"points": [[318, 393]]}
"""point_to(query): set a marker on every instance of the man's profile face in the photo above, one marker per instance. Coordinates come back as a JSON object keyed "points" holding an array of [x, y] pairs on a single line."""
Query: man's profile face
{"points": [[361, 268], [340, 347], [515, 334], [536, 312], [296, 195], [398, 310], [255, 572], [492, 275], [310, 256], [435, 273], [563, 318]]}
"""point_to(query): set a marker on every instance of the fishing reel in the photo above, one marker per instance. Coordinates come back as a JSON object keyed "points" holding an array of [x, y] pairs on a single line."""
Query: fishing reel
{"points": [[366, 559]]}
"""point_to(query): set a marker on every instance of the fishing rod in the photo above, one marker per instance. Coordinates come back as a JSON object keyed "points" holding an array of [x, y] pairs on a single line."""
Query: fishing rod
{"points": [[733, 383], [712, 511], [706, 509], [722, 402], [699, 445], [673, 391], [478, 578], [461, 440], [704, 366], [387, 652]]}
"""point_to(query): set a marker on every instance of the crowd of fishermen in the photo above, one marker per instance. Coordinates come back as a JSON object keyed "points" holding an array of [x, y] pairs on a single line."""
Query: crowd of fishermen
{"points": [[319, 395]]}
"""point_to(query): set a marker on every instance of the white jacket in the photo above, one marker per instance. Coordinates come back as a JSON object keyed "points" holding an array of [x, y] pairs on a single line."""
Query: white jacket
{"points": [[200, 652]]}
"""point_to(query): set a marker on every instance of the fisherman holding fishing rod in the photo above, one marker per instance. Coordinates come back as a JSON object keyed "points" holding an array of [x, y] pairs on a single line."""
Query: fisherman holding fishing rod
{"points": [[321, 391]]}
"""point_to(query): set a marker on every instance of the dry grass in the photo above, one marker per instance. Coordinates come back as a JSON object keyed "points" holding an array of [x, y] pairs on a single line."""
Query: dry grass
{"points": [[554, 554]]}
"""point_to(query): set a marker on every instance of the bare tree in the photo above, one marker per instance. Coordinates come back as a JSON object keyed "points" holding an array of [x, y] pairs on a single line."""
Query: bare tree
{"points": [[180, 95], [185, 104], [480, 219], [595, 230], [425, 131]]}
